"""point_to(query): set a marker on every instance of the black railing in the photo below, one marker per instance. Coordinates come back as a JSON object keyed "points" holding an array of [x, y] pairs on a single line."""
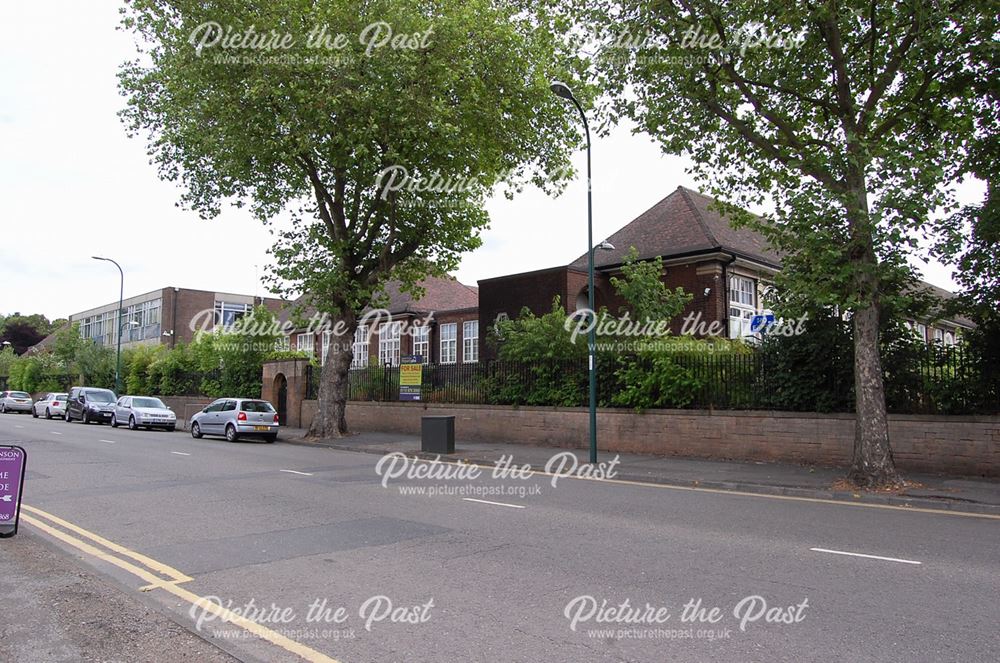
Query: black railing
{"points": [[937, 380]]}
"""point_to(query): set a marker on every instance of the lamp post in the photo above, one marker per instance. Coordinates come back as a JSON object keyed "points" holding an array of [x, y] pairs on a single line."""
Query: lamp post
{"points": [[562, 90], [121, 295]]}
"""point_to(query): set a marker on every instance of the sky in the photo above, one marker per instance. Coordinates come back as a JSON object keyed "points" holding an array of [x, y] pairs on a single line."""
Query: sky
{"points": [[73, 185]]}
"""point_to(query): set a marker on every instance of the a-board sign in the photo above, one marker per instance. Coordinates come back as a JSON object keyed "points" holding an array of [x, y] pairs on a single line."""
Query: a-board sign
{"points": [[411, 376], [12, 462]]}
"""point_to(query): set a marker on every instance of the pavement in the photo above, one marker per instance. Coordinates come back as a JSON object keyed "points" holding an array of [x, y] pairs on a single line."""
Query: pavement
{"points": [[973, 495], [288, 552]]}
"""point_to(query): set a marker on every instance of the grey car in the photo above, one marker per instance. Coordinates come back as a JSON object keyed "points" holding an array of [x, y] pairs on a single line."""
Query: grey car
{"points": [[52, 404], [235, 418], [15, 401], [143, 412]]}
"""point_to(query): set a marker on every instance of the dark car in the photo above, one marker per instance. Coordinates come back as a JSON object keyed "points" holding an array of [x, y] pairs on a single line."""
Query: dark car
{"points": [[90, 404]]}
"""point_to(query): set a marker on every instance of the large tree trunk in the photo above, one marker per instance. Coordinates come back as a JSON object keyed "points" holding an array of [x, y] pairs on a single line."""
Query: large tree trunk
{"points": [[872, 464], [331, 410]]}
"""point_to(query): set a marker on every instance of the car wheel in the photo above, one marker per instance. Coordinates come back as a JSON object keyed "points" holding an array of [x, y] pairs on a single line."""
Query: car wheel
{"points": [[195, 431], [67, 417], [34, 412], [3, 408], [114, 421], [131, 423], [48, 415], [231, 434], [86, 417]]}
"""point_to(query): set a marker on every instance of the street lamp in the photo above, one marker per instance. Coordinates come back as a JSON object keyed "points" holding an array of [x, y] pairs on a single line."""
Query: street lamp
{"points": [[562, 90], [121, 295]]}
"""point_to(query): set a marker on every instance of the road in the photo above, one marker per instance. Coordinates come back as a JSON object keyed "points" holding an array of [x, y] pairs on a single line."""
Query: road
{"points": [[485, 575]]}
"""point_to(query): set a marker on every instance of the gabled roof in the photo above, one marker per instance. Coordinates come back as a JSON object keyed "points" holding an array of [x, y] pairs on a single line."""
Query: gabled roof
{"points": [[440, 294], [682, 224]]}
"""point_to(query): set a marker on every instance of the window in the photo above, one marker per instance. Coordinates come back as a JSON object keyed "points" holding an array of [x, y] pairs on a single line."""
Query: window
{"points": [[326, 347], [388, 342], [921, 331], [470, 341], [449, 343], [742, 305], [227, 313], [939, 335], [422, 343], [360, 347], [229, 406], [306, 343], [949, 338], [283, 344]]}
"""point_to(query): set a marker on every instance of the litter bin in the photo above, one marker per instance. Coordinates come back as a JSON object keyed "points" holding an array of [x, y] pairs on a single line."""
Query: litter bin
{"points": [[437, 434]]}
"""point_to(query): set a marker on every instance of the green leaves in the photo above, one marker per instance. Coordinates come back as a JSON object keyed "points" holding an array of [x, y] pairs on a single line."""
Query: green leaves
{"points": [[308, 128]]}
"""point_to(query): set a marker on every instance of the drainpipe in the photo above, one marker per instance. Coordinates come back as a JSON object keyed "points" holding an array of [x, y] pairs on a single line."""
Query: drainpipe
{"points": [[173, 323]]}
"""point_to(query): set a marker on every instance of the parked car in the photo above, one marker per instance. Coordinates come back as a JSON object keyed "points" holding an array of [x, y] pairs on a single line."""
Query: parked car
{"points": [[15, 401], [143, 412], [51, 405], [235, 418], [90, 404]]}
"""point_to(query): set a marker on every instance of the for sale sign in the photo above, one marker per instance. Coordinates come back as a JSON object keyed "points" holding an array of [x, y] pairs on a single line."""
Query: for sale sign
{"points": [[12, 460], [411, 377]]}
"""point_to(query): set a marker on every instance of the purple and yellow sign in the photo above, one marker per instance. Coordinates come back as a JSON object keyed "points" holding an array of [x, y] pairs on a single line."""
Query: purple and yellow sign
{"points": [[411, 377], [12, 461]]}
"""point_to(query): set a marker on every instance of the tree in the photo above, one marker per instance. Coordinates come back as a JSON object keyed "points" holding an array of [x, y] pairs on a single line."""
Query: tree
{"points": [[23, 331], [837, 110], [381, 144], [641, 286]]}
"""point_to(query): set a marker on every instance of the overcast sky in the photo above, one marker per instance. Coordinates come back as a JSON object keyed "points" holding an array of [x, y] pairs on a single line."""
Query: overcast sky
{"points": [[72, 185]]}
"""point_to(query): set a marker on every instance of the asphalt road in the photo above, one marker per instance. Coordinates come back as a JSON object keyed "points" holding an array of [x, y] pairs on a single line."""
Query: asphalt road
{"points": [[287, 526]]}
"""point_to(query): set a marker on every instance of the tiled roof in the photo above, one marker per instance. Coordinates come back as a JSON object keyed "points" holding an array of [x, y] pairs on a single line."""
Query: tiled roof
{"points": [[440, 294], [681, 224]]}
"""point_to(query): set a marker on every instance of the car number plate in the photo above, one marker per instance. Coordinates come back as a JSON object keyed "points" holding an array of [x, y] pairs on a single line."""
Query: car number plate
{"points": [[263, 428]]}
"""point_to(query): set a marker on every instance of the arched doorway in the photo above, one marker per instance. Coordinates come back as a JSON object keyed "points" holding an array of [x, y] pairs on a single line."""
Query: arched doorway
{"points": [[281, 395]]}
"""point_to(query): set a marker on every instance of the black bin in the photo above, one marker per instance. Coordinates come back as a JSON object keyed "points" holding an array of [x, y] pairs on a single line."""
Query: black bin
{"points": [[437, 434]]}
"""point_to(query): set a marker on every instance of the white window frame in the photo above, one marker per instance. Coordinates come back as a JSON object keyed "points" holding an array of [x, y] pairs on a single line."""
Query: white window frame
{"points": [[742, 305], [470, 341], [307, 346], [360, 347], [388, 342], [448, 343], [422, 343], [283, 344], [920, 329], [326, 348]]}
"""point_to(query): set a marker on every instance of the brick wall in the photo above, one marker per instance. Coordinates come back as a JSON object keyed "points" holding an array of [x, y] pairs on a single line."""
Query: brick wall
{"points": [[953, 445]]}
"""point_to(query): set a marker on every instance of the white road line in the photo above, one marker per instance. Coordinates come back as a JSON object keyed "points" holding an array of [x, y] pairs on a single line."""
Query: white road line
{"points": [[18, 426], [512, 506], [55, 432], [109, 441], [305, 474], [854, 554], [180, 453]]}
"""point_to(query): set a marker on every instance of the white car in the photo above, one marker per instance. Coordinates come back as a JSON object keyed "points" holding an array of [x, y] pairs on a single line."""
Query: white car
{"points": [[15, 401], [143, 412], [50, 405]]}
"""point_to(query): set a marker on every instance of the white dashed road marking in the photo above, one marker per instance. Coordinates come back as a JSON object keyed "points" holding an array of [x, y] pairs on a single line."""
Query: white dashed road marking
{"points": [[854, 554], [180, 453], [305, 474], [512, 506]]}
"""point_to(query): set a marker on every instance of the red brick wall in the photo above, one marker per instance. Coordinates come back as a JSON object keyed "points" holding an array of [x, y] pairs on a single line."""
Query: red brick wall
{"points": [[953, 445]]}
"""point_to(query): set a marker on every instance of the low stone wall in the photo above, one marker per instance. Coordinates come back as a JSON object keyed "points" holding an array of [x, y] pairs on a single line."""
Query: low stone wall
{"points": [[185, 406], [953, 445]]}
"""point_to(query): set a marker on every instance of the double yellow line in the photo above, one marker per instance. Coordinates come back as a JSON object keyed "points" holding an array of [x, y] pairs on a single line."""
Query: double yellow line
{"points": [[157, 575]]}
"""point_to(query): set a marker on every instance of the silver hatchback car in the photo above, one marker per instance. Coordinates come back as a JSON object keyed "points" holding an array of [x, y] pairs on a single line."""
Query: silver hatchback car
{"points": [[15, 401], [143, 412], [235, 418]]}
